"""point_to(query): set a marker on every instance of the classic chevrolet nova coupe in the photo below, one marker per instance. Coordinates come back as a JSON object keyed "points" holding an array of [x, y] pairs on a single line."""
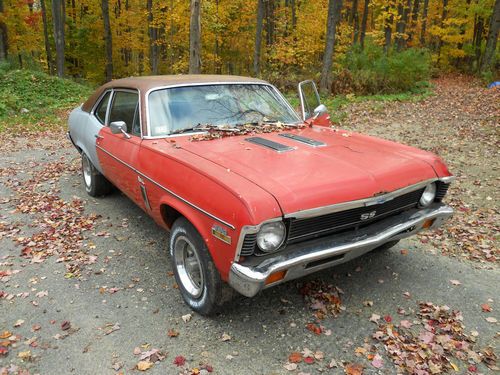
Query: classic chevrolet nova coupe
{"points": [[252, 193]]}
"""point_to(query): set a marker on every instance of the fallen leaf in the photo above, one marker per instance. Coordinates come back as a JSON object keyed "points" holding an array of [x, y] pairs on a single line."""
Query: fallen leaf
{"points": [[5, 335], [25, 356], [172, 333], [314, 328], [18, 323], [225, 337], [491, 319], [455, 282], [486, 308], [290, 366], [144, 365], [186, 318], [179, 361], [353, 369], [295, 357], [375, 318], [309, 360], [405, 324], [377, 361]]}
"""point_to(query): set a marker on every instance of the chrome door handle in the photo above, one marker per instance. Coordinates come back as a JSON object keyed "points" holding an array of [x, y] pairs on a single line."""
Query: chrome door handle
{"points": [[97, 136]]}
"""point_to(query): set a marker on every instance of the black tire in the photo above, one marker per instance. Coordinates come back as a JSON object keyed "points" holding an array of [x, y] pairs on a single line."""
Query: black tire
{"points": [[387, 245], [95, 183], [204, 293]]}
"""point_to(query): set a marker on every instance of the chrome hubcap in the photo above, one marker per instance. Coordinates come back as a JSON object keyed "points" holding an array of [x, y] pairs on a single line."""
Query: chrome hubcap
{"points": [[87, 171], [188, 266]]}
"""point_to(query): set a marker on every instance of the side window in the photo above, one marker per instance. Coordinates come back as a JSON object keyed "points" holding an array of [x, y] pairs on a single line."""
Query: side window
{"points": [[125, 107], [100, 111]]}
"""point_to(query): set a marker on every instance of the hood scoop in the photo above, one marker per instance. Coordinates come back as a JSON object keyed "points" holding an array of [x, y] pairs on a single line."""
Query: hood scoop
{"points": [[278, 147], [308, 141]]}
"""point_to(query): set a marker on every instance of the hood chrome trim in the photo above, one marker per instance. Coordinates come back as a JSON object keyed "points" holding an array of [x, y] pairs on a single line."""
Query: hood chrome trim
{"points": [[278, 147], [298, 138]]}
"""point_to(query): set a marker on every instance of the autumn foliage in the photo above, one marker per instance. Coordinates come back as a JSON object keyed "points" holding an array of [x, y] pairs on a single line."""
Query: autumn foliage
{"points": [[153, 36]]}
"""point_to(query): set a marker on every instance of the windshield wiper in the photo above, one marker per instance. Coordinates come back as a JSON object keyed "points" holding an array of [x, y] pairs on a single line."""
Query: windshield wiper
{"points": [[187, 130], [205, 127]]}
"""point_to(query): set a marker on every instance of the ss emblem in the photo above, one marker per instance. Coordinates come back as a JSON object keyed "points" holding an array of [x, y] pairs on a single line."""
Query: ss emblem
{"points": [[368, 215]]}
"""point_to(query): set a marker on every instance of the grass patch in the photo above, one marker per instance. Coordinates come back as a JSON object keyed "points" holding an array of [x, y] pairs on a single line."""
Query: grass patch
{"points": [[35, 101]]}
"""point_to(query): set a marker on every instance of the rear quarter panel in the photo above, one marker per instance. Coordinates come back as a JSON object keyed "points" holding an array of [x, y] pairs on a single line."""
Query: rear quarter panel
{"points": [[83, 127]]}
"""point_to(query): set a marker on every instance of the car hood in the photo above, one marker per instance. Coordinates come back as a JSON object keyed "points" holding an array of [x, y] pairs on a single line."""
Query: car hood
{"points": [[348, 167]]}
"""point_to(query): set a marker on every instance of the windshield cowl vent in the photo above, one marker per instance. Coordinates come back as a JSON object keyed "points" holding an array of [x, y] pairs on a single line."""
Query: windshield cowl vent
{"points": [[278, 147]]}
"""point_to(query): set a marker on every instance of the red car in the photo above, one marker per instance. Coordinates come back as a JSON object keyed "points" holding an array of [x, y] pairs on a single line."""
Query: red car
{"points": [[252, 193]]}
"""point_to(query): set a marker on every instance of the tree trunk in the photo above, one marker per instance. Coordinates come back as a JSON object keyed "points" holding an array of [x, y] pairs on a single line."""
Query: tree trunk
{"points": [[364, 21], [334, 12], [58, 21], [269, 13], [48, 52], [294, 14], [153, 40], [108, 40], [388, 31], [258, 38], [195, 38], [478, 37], [443, 17], [491, 42], [403, 11], [353, 20], [4, 42], [424, 22], [414, 19]]}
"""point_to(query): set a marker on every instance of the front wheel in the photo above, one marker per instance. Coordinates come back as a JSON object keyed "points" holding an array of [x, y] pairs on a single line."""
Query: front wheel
{"points": [[197, 277], [95, 183]]}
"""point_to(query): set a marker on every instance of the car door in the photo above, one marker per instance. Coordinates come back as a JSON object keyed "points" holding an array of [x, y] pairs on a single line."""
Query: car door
{"points": [[118, 153]]}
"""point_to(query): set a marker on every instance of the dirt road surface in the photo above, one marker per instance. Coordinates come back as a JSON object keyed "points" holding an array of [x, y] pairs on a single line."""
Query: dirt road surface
{"points": [[86, 285]]}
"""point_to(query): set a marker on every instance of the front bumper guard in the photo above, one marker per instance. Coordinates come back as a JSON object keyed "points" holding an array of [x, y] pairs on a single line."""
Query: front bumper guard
{"points": [[302, 259]]}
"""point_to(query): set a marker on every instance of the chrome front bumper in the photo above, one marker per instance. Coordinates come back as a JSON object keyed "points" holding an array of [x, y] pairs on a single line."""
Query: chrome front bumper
{"points": [[302, 259]]}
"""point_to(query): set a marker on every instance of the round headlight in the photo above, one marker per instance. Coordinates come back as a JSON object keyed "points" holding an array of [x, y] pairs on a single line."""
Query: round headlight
{"points": [[271, 236], [428, 195]]}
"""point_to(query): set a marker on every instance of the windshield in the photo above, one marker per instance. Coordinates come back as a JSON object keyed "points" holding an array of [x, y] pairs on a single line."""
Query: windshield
{"points": [[172, 110]]}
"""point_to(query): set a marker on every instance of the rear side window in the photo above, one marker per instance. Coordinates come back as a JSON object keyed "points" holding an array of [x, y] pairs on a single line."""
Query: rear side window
{"points": [[125, 107], [100, 111]]}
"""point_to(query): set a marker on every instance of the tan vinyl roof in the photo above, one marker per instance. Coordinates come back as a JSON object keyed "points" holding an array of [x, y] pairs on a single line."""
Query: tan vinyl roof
{"points": [[149, 82]]}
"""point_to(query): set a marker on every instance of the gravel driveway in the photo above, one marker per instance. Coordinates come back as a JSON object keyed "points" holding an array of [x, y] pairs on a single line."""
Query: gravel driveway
{"points": [[86, 285]]}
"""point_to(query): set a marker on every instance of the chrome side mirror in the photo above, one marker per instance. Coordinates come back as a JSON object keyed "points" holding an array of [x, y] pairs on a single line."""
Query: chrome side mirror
{"points": [[320, 110], [309, 99], [117, 127]]}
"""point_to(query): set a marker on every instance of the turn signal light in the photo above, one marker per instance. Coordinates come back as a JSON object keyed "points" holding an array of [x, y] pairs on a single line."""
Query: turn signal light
{"points": [[428, 223], [277, 276]]}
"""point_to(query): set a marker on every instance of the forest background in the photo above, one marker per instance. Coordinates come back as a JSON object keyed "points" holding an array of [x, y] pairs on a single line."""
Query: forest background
{"points": [[348, 46]]}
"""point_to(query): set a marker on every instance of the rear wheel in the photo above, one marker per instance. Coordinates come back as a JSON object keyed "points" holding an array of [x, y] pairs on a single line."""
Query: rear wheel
{"points": [[197, 277], [95, 183]]}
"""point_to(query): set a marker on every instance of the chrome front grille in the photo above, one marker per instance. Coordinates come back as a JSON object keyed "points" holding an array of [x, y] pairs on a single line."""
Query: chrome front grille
{"points": [[441, 190], [304, 229], [248, 246]]}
